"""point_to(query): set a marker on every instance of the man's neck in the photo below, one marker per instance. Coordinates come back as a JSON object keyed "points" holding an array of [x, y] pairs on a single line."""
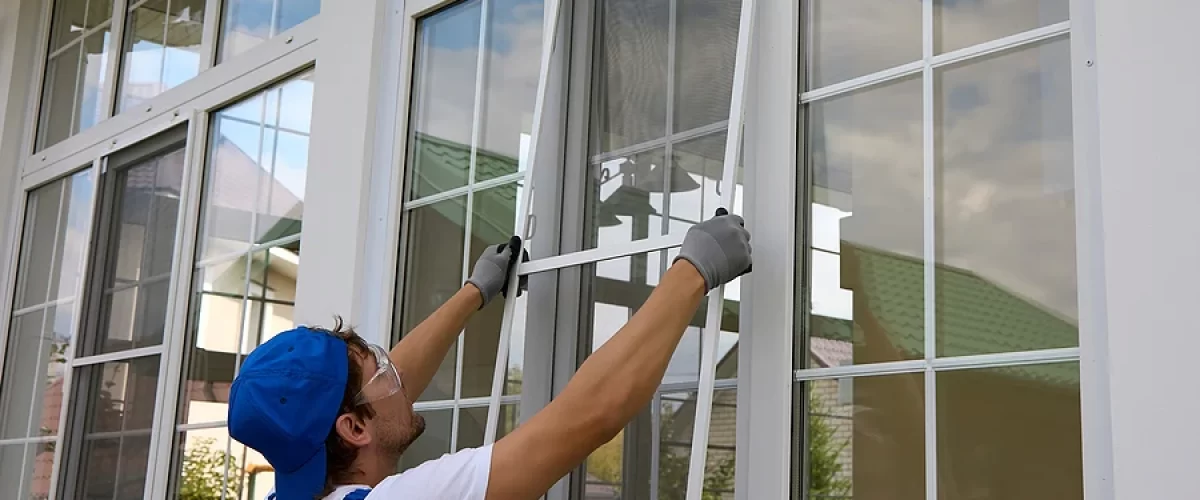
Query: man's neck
{"points": [[371, 470]]}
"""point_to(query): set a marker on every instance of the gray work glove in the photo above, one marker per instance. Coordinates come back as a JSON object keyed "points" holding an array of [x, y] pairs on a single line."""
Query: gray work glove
{"points": [[719, 248], [492, 269]]}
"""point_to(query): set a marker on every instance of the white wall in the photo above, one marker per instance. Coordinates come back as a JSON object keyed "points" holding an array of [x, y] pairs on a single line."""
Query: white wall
{"points": [[1148, 83]]}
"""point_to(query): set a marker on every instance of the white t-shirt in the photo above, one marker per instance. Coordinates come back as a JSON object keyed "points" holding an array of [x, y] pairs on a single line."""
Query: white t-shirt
{"points": [[462, 475]]}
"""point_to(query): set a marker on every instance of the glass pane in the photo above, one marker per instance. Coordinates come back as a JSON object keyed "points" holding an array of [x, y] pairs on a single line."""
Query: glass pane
{"points": [[1005, 230], [705, 50], [206, 466], [629, 90], [962, 24], [281, 201], [162, 48], [119, 398], [676, 423], [74, 17], [867, 276], [185, 28], [248, 23], [510, 81], [93, 75], [433, 274], [997, 424], [433, 443], [39, 245], [864, 438], [444, 73], [231, 180], [21, 373], [493, 223], [115, 467], [59, 93], [272, 295], [73, 235], [48, 399], [472, 422], [142, 64], [217, 318], [140, 254], [17, 461], [852, 38]]}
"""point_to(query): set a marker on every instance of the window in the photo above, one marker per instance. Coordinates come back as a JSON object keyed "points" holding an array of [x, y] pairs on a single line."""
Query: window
{"points": [[78, 69], [161, 49], [660, 90], [116, 369], [244, 284], [940, 252], [474, 77], [247, 23], [101, 62], [41, 329]]}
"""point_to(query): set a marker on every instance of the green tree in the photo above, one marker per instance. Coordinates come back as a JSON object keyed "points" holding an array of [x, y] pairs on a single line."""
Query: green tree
{"points": [[203, 476], [825, 477]]}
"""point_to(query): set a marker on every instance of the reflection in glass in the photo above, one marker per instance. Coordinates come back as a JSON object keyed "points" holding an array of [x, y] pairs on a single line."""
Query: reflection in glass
{"points": [[642, 195], [867, 280], [21, 373], [493, 223], [434, 443], [863, 438], [205, 466], [60, 88], [119, 398], [140, 253], [959, 25], [162, 48], [432, 274], [444, 74], [514, 41], [247, 23], [472, 421], [629, 91], [852, 38], [38, 245], [1005, 203], [93, 75], [997, 425], [705, 51], [73, 18], [217, 322], [71, 243], [613, 291], [255, 181], [17, 461]]}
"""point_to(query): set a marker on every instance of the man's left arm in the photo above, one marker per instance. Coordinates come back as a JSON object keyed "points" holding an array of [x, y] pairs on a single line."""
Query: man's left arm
{"points": [[422, 349]]}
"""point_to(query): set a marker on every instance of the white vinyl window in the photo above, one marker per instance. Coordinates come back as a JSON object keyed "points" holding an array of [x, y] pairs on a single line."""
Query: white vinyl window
{"points": [[937, 348]]}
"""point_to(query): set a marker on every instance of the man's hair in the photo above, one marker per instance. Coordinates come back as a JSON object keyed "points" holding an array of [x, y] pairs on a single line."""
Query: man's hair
{"points": [[339, 454]]}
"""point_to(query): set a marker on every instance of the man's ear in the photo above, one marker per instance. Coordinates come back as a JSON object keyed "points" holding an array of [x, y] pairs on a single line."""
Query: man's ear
{"points": [[352, 430]]}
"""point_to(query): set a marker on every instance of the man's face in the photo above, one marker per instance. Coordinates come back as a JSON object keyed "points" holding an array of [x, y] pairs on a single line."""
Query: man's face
{"points": [[395, 425]]}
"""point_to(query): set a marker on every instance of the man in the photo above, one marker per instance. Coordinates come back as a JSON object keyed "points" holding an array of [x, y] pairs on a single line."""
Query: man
{"points": [[333, 414]]}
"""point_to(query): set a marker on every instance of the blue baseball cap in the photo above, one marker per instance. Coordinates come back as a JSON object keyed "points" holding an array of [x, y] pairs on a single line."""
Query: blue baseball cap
{"points": [[284, 402]]}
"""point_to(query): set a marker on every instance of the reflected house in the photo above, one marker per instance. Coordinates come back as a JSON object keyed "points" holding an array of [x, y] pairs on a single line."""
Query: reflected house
{"points": [[880, 419]]}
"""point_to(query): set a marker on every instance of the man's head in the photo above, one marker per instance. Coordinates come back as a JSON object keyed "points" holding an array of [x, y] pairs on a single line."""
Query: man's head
{"points": [[321, 405]]}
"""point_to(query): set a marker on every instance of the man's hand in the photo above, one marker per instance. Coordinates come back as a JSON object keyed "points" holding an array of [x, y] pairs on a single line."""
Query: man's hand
{"points": [[494, 267], [719, 248]]}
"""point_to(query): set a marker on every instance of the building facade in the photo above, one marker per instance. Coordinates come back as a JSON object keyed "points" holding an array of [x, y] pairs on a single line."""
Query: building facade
{"points": [[952, 204]]}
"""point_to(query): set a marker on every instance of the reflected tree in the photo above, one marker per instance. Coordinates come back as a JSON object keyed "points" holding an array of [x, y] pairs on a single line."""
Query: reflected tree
{"points": [[203, 476]]}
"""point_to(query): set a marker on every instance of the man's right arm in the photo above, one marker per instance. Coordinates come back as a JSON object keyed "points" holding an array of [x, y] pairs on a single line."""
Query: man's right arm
{"points": [[620, 378]]}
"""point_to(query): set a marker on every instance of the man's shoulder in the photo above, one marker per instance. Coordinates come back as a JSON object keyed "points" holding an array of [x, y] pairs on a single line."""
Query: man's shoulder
{"points": [[462, 474]]}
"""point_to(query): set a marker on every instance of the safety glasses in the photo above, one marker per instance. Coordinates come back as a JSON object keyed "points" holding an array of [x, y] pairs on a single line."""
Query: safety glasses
{"points": [[385, 382]]}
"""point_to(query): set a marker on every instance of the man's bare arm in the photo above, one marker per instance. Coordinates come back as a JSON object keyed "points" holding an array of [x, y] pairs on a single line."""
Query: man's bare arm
{"points": [[421, 351], [619, 379]]}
